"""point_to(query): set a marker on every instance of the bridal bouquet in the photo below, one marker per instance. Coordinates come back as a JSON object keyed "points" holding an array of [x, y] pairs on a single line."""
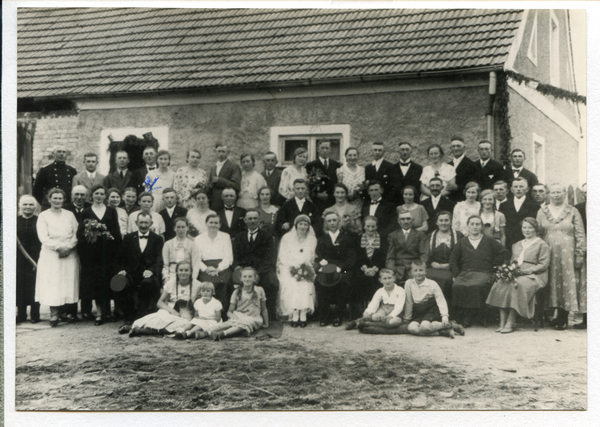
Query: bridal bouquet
{"points": [[94, 230], [304, 272], [506, 272]]}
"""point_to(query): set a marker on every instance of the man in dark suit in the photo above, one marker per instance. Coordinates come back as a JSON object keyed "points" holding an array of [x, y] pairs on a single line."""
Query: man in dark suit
{"points": [[489, 170], [517, 208], [328, 167], [500, 193], [517, 159], [122, 177], [296, 206], [464, 167], [90, 176], [78, 203], [171, 211], [406, 172], [231, 216], [384, 211], [222, 175], [57, 174], [539, 194], [273, 177], [405, 246], [436, 203], [581, 207], [256, 248], [379, 169], [139, 175], [140, 260], [339, 249]]}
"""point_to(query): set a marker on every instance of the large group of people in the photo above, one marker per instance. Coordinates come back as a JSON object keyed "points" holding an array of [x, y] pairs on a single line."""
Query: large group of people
{"points": [[391, 247]]}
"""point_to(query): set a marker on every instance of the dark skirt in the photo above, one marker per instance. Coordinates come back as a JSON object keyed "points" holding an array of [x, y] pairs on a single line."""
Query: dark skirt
{"points": [[221, 282], [427, 310], [25, 281], [444, 279], [471, 289]]}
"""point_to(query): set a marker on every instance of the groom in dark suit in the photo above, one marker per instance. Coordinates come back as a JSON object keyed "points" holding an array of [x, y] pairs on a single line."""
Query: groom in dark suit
{"points": [[222, 175], [256, 248], [296, 206], [140, 260], [328, 167], [405, 246]]}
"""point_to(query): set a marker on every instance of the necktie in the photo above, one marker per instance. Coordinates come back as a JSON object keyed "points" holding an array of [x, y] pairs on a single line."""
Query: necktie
{"points": [[405, 164], [516, 172], [229, 209], [375, 203], [144, 237], [326, 163], [252, 236], [268, 174], [122, 175]]}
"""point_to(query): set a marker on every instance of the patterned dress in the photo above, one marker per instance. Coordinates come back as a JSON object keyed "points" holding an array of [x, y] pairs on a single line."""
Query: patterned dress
{"points": [[251, 182], [288, 176], [462, 212], [566, 237], [352, 179], [186, 179]]}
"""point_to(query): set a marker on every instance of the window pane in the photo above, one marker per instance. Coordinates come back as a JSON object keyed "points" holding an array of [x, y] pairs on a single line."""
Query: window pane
{"points": [[335, 147], [290, 145]]}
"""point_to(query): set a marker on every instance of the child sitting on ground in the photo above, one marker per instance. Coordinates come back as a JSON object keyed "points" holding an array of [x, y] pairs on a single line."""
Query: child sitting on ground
{"points": [[208, 314], [247, 309], [386, 306], [426, 307]]}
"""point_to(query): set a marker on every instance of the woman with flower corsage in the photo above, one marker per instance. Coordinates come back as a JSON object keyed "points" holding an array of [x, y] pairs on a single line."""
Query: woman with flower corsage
{"points": [[530, 258], [99, 236], [296, 294]]}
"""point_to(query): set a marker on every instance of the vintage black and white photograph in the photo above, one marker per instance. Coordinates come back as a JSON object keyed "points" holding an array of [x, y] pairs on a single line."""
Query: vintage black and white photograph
{"points": [[299, 209]]}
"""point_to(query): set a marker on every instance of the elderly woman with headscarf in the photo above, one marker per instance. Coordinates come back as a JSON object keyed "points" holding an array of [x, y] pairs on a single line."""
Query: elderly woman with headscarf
{"points": [[28, 252]]}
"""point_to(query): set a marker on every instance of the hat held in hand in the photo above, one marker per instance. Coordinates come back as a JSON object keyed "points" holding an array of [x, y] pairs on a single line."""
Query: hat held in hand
{"points": [[118, 282], [328, 276]]}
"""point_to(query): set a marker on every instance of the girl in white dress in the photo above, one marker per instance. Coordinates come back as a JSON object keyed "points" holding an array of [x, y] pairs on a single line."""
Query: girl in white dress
{"points": [[297, 247], [437, 168], [57, 279], [464, 210], [252, 181], [292, 173], [352, 175], [208, 314]]}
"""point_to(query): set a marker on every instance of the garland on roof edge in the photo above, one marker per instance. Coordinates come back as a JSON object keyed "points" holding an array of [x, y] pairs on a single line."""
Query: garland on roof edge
{"points": [[502, 116], [545, 89]]}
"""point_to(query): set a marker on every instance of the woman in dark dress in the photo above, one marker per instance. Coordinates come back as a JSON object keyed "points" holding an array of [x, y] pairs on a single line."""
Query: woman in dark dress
{"points": [[28, 252], [472, 263], [97, 257], [441, 243]]}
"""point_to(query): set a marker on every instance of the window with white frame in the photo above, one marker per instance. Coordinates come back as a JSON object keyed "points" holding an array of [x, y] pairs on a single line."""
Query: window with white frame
{"points": [[539, 157], [533, 42], [554, 50], [286, 139]]}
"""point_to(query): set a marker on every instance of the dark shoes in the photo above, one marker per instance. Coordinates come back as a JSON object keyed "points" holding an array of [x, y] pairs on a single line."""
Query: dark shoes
{"points": [[303, 324], [88, 317], [294, 324], [561, 327], [337, 322], [323, 323], [69, 318], [34, 321], [351, 325], [582, 325], [124, 329]]}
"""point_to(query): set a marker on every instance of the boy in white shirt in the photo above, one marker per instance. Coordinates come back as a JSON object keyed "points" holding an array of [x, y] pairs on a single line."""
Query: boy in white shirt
{"points": [[386, 306], [426, 308]]}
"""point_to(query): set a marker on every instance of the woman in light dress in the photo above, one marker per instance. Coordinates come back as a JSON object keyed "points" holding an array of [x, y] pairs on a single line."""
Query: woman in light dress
{"points": [[348, 212], [114, 200], [562, 228], [437, 168], [352, 176], [159, 179], [252, 181], [197, 215], [464, 210], [177, 249], [494, 222], [267, 213], [297, 247], [292, 173], [188, 177], [417, 211], [146, 201], [57, 279]]}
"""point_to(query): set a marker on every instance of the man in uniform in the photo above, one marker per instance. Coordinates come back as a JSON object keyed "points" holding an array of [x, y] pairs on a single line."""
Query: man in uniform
{"points": [[56, 175]]}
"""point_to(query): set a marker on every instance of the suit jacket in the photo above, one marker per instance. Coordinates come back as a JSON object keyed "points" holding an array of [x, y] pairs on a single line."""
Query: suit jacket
{"points": [[71, 207], [387, 218], [529, 208], [289, 211], [237, 221], [259, 254], [382, 175], [273, 182], [82, 179], [509, 177], [402, 252], [229, 176], [377, 260], [134, 262], [492, 172], [342, 252], [169, 224], [465, 172], [444, 204], [331, 172], [398, 181], [582, 211], [113, 180]]}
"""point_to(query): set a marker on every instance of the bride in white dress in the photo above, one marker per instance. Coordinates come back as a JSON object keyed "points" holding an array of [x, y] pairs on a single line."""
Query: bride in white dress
{"points": [[297, 247]]}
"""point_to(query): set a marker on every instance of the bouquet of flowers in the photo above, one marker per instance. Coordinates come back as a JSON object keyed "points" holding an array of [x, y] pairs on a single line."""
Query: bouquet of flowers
{"points": [[304, 272], [362, 192], [94, 230], [506, 272], [317, 181], [192, 231]]}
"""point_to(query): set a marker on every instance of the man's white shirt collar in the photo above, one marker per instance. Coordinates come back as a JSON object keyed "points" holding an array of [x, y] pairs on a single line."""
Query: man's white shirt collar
{"points": [[457, 161], [377, 163], [484, 162], [334, 236]]}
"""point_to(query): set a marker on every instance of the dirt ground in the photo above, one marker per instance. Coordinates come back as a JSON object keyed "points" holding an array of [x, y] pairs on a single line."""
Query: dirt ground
{"points": [[82, 367]]}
